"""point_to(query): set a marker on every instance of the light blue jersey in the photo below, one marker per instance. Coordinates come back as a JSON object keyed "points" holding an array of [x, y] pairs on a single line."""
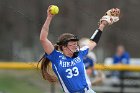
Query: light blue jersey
{"points": [[70, 71]]}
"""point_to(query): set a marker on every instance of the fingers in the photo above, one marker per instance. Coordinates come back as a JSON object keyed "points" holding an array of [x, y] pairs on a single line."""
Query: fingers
{"points": [[118, 11], [111, 16], [115, 11], [48, 11]]}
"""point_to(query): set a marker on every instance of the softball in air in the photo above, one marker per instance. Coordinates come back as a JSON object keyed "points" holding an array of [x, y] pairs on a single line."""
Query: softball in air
{"points": [[54, 9]]}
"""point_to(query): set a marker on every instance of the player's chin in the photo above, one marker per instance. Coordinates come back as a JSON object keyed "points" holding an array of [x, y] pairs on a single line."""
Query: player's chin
{"points": [[74, 50]]}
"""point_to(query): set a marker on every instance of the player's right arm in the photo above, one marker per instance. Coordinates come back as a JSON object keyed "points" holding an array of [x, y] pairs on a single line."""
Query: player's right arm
{"points": [[47, 45]]}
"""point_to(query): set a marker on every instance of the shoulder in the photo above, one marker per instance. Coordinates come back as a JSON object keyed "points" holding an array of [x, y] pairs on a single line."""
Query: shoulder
{"points": [[84, 48], [54, 52]]}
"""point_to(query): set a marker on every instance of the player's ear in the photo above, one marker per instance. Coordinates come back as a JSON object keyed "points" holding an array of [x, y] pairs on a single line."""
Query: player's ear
{"points": [[64, 47]]}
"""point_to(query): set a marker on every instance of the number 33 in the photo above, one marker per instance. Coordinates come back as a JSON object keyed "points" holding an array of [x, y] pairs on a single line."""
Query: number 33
{"points": [[70, 74]]}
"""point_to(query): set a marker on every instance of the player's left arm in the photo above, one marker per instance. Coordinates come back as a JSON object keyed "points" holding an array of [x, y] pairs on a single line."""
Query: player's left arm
{"points": [[109, 18], [97, 34]]}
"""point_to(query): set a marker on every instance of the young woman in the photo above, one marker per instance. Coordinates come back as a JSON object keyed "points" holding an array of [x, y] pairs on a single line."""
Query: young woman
{"points": [[66, 58]]}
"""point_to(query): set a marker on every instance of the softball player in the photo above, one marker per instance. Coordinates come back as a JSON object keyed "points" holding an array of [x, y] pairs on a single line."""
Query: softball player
{"points": [[67, 58]]}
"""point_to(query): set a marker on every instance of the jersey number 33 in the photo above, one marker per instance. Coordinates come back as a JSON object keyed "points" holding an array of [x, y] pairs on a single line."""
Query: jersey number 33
{"points": [[72, 72]]}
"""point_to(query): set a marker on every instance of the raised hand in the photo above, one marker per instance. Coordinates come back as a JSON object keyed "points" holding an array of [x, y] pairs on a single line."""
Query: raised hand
{"points": [[111, 16]]}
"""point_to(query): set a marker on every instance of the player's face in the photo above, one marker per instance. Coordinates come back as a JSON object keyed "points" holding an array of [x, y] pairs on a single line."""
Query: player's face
{"points": [[72, 45]]}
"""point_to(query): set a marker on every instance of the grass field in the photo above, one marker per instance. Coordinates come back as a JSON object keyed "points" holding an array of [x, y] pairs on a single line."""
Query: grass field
{"points": [[24, 81]]}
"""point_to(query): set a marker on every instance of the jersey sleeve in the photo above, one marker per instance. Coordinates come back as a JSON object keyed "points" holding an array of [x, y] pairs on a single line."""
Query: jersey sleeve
{"points": [[84, 50], [53, 57]]}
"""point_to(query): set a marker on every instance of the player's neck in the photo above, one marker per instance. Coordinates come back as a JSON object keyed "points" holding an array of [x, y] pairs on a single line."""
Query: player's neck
{"points": [[67, 54]]}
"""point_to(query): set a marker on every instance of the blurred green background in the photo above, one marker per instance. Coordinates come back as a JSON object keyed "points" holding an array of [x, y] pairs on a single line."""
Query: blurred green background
{"points": [[24, 81]]}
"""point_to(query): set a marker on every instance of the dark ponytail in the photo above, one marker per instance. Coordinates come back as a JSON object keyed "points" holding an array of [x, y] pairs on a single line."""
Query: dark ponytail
{"points": [[46, 68]]}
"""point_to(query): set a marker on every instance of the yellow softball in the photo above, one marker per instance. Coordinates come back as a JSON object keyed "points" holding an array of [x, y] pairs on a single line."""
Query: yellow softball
{"points": [[54, 9]]}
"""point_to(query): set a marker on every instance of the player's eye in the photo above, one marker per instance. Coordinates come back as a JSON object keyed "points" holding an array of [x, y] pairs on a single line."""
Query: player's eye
{"points": [[73, 44]]}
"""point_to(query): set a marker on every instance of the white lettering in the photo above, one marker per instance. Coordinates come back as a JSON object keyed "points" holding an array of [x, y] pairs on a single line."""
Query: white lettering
{"points": [[68, 64], [64, 64], [72, 63]]}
